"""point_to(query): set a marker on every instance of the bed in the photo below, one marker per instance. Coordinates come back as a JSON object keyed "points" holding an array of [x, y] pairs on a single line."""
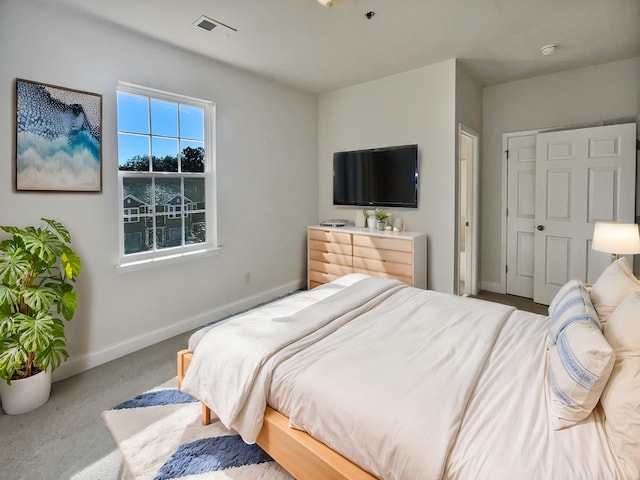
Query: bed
{"points": [[368, 378]]}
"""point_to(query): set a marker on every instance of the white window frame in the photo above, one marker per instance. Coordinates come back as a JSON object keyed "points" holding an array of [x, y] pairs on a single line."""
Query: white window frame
{"points": [[131, 214], [154, 257]]}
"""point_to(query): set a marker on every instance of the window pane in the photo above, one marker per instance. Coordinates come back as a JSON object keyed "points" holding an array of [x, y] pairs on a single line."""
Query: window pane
{"points": [[138, 208], [194, 193], [164, 118], [139, 191], [191, 122], [133, 152], [169, 231], [192, 156], [195, 228], [168, 196], [133, 113], [165, 154]]}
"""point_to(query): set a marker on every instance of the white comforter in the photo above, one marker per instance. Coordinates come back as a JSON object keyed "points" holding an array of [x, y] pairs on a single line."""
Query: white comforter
{"points": [[413, 384], [232, 366]]}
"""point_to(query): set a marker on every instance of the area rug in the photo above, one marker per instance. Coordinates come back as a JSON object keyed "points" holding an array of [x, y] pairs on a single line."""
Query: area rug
{"points": [[161, 437]]}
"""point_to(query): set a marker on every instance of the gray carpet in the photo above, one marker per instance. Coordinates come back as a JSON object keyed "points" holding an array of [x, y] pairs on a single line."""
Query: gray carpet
{"points": [[66, 439]]}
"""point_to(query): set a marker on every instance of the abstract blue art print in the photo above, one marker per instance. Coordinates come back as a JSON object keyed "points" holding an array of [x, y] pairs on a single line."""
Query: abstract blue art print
{"points": [[58, 134]]}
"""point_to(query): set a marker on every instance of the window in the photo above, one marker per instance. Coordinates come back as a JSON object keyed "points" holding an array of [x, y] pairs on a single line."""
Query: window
{"points": [[166, 154]]}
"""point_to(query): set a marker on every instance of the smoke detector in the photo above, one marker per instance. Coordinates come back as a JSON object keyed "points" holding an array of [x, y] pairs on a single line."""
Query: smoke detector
{"points": [[548, 49], [328, 3], [211, 25]]}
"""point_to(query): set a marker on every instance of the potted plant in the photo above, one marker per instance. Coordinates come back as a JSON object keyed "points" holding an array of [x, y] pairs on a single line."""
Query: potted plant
{"points": [[38, 270], [370, 218], [381, 217]]}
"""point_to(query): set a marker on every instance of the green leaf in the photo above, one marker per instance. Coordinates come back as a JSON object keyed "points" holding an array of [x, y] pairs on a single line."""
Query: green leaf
{"points": [[58, 227], [36, 332], [14, 262], [68, 304], [71, 263], [40, 298], [51, 357], [12, 357], [42, 243], [8, 295]]}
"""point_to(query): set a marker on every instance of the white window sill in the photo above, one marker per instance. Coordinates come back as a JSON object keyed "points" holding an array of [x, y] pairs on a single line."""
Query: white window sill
{"points": [[143, 264]]}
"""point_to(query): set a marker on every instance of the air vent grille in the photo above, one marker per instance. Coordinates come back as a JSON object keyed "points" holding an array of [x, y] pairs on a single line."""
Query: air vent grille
{"points": [[207, 25], [211, 25]]}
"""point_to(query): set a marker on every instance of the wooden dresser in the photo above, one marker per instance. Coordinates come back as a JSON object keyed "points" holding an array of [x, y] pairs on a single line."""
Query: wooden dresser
{"points": [[337, 251]]}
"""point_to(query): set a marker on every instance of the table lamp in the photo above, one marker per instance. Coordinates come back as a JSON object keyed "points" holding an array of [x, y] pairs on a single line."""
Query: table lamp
{"points": [[616, 238]]}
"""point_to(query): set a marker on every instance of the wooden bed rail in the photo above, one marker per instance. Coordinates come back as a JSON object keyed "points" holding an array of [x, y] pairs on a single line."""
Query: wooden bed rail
{"points": [[299, 453]]}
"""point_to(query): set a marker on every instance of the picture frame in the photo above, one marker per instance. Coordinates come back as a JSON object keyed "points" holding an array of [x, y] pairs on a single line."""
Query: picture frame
{"points": [[58, 138]]}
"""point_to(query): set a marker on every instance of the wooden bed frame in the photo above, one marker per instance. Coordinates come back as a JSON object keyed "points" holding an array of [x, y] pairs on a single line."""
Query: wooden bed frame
{"points": [[300, 454]]}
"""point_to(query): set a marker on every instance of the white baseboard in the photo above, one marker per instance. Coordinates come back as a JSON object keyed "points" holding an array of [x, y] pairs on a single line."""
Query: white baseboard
{"points": [[492, 287], [79, 364]]}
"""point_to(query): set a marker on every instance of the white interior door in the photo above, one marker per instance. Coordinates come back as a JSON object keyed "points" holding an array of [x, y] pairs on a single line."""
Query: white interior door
{"points": [[468, 199], [582, 176], [521, 190]]}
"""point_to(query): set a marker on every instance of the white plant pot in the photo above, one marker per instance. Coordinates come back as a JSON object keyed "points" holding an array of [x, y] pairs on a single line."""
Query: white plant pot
{"points": [[26, 394]]}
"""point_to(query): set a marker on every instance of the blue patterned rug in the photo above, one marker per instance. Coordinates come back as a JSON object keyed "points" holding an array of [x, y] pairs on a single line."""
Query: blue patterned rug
{"points": [[161, 437]]}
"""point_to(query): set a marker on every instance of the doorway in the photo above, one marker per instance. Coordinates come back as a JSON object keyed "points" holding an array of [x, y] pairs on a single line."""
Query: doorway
{"points": [[467, 201]]}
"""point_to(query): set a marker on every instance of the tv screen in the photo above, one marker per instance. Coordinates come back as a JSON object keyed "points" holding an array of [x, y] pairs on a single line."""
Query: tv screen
{"points": [[378, 177]]}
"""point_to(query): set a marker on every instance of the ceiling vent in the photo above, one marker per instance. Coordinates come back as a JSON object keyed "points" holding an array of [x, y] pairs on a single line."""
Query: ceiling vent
{"points": [[211, 25]]}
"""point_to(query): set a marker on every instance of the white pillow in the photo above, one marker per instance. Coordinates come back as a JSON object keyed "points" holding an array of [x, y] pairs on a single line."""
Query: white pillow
{"points": [[613, 285], [571, 304], [621, 396], [579, 367]]}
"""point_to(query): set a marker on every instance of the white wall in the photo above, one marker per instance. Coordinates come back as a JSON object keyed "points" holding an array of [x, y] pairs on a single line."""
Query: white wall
{"points": [[417, 106], [267, 181], [607, 93]]}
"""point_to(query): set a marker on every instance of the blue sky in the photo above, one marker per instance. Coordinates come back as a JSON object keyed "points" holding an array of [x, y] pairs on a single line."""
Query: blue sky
{"points": [[166, 119]]}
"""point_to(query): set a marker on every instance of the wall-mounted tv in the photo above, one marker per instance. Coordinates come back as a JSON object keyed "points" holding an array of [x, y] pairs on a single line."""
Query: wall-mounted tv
{"points": [[378, 177]]}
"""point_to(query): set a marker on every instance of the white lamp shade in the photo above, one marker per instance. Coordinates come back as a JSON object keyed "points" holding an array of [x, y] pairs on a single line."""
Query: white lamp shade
{"points": [[618, 238]]}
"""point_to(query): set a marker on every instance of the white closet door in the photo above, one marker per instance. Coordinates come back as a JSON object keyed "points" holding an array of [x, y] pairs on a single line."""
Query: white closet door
{"points": [[582, 176], [521, 168]]}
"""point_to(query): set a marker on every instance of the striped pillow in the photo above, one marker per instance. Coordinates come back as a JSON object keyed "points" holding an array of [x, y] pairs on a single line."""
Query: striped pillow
{"points": [[579, 367], [571, 304]]}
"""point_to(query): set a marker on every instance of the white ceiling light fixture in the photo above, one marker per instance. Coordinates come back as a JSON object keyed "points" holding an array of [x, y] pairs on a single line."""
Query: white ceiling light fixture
{"points": [[328, 3], [548, 49]]}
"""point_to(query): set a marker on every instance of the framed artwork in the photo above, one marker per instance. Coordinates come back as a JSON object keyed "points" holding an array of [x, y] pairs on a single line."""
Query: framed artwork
{"points": [[58, 138]]}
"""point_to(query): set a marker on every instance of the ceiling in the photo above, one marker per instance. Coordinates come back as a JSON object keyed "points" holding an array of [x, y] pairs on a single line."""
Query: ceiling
{"points": [[319, 49]]}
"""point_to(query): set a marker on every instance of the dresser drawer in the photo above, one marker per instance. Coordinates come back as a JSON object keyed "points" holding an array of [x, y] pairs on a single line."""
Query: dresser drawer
{"points": [[383, 267], [328, 257], [337, 270], [329, 236], [396, 256], [328, 247], [371, 241], [319, 277]]}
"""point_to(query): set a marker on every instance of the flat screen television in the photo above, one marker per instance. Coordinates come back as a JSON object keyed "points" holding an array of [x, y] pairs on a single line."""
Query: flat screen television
{"points": [[377, 177]]}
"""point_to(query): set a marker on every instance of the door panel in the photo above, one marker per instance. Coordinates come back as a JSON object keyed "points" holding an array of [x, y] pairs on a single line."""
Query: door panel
{"points": [[521, 171], [585, 175], [557, 260], [602, 205]]}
